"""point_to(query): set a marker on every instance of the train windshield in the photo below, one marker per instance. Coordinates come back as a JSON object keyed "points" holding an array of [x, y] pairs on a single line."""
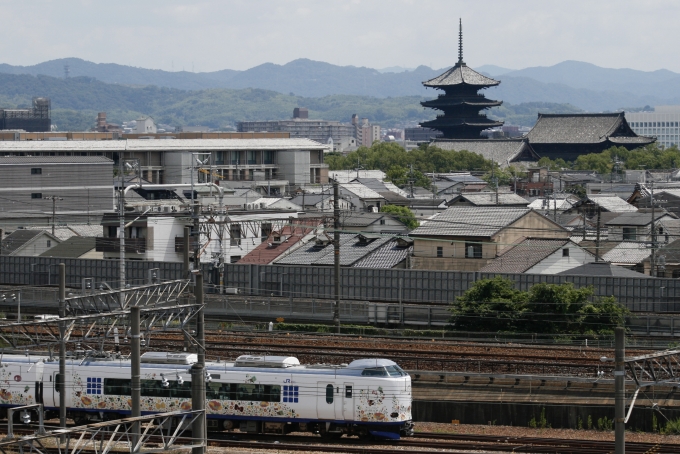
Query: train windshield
{"points": [[388, 371]]}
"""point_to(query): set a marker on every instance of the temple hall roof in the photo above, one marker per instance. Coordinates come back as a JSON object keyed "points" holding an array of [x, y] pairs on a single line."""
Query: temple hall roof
{"points": [[584, 128]]}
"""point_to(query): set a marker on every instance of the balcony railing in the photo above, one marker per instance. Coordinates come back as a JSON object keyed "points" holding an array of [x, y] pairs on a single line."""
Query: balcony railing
{"points": [[179, 244], [112, 244]]}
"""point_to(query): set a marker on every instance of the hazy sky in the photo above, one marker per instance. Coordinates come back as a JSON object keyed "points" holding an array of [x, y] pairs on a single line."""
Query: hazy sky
{"points": [[239, 34]]}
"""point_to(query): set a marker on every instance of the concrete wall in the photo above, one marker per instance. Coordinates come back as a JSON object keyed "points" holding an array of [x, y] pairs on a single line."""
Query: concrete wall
{"points": [[294, 166]]}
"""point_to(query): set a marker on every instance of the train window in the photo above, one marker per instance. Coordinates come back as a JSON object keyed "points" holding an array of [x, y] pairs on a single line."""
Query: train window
{"points": [[394, 371], [348, 392], [290, 394], [374, 372], [94, 385], [118, 386], [329, 394]]}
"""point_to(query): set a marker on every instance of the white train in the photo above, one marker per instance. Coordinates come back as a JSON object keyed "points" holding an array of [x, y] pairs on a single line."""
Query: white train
{"points": [[256, 394]]}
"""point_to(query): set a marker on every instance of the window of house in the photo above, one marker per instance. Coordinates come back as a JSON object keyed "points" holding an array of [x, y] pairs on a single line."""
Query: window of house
{"points": [[234, 258], [266, 229], [235, 234], [440, 251], [49, 243], [565, 252], [629, 234], [36, 195], [382, 222], [473, 250], [36, 171]]}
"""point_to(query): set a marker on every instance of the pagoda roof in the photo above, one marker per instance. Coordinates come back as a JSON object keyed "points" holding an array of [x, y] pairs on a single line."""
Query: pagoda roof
{"points": [[461, 74], [444, 102], [447, 121], [584, 129]]}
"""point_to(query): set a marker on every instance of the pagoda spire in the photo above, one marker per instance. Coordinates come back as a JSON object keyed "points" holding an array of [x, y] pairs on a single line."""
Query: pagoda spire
{"points": [[460, 42]]}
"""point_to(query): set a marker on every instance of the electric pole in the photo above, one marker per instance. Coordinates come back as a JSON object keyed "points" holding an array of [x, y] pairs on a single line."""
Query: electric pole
{"points": [[619, 391], [652, 259], [336, 245], [198, 373], [54, 199], [62, 349]]}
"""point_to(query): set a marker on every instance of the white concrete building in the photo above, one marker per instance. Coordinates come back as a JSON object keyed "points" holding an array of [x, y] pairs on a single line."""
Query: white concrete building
{"points": [[663, 123], [145, 125]]}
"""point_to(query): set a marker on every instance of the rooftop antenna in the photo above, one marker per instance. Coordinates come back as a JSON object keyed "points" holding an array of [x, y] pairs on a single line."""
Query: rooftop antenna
{"points": [[460, 42]]}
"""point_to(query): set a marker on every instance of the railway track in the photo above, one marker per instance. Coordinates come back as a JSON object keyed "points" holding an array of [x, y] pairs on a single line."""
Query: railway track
{"points": [[419, 443]]}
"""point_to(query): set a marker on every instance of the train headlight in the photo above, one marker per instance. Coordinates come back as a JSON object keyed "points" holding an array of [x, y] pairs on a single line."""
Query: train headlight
{"points": [[26, 417]]}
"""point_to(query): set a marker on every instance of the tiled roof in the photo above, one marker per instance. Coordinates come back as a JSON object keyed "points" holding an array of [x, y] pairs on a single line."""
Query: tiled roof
{"points": [[502, 151], [671, 251], [360, 190], [351, 251], [264, 254], [309, 199], [470, 221], [74, 247], [19, 238], [628, 253], [380, 186], [637, 218], [525, 255], [591, 245], [388, 256], [612, 203], [361, 218], [582, 128], [460, 178], [489, 199], [461, 74], [602, 269], [559, 203], [345, 176]]}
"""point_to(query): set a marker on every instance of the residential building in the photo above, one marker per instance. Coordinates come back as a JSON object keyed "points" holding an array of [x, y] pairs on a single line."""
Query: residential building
{"points": [[663, 124], [603, 269], [383, 223], [298, 161], [65, 184], [346, 176], [628, 254], [27, 243], [539, 256], [340, 136], [467, 238], [35, 119], [636, 226], [145, 125], [537, 184], [567, 136], [320, 202], [283, 241], [361, 197]]}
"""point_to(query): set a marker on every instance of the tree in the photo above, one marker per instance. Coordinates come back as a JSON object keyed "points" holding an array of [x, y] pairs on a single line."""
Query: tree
{"points": [[496, 305], [404, 214]]}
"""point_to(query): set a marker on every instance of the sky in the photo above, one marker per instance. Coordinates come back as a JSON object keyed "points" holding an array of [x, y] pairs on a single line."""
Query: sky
{"points": [[209, 35]]}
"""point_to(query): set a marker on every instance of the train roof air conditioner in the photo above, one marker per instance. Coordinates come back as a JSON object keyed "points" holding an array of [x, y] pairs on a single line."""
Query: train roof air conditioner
{"points": [[169, 358], [266, 361]]}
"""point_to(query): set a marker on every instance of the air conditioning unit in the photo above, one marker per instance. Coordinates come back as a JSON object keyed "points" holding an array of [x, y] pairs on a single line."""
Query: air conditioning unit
{"points": [[249, 206]]}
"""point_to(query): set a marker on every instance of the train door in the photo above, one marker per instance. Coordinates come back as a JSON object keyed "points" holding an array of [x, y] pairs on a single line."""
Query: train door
{"points": [[325, 400], [55, 389], [348, 402]]}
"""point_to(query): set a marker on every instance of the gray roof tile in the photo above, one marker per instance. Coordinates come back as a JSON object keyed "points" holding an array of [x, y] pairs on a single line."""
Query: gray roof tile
{"points": [[582, 128], [525, 255], [627, 252], [502, 151], [470, 221], [461, 74]]}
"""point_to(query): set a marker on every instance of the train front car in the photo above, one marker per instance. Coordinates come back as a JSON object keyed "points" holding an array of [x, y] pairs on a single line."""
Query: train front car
{"points": [[257, 394]]}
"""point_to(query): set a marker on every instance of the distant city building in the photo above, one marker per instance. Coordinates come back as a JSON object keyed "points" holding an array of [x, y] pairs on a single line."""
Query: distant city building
{"points": [[663, 124], [35, 119], [364, 132], [145, 125], [341, 136], [420, 134], [104, 126], [460, 102]]}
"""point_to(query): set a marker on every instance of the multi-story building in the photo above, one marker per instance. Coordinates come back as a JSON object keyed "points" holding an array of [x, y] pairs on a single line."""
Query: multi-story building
{"points": [[40, 184], [364, 132], [340, 136], [663, 123], [297, 161]]}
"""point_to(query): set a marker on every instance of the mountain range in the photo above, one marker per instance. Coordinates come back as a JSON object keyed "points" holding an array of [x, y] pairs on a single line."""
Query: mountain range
{"points": [[584, 85]]}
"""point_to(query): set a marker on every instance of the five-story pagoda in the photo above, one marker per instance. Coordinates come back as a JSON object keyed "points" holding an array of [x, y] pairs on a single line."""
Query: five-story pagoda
{"points": [[460, 101]]}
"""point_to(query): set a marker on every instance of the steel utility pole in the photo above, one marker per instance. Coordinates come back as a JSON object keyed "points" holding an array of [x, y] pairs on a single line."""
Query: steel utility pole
{"points": [[597, 235], [198, 374], [187, 269], [652, 258], [619, 391], [121, 228], [62, 349], [135, 372], [336, 245]]}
